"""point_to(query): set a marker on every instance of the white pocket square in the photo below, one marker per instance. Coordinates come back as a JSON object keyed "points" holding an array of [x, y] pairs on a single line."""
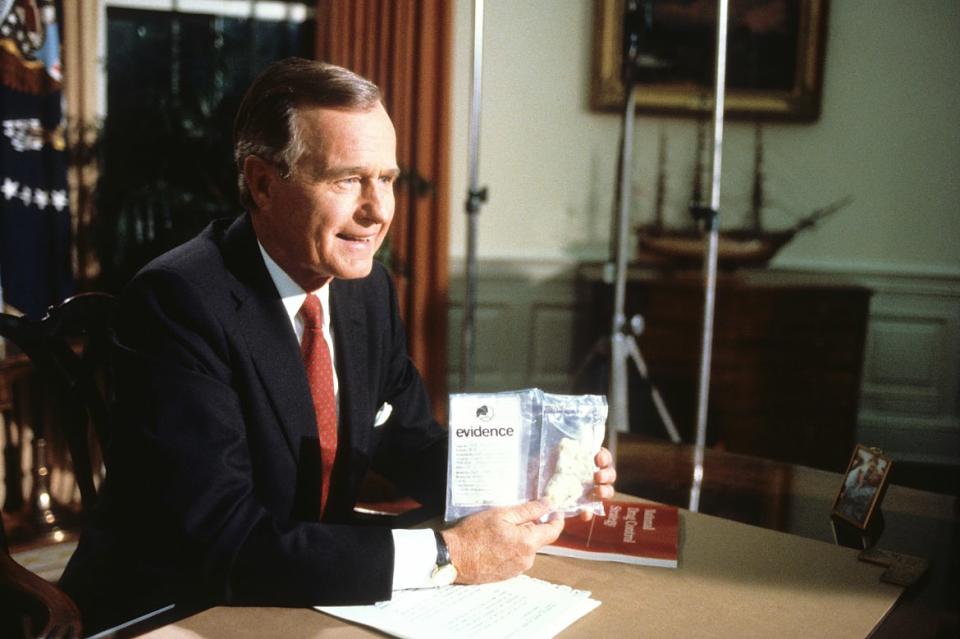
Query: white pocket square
{"points": [[383, 415]]}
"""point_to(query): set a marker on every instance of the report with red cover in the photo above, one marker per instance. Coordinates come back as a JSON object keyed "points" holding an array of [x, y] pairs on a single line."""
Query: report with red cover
{"points": [[631, 532]]}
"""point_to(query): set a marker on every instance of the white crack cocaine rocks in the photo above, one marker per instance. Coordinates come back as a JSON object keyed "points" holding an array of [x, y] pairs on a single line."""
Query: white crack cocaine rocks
{"points": [[573, 474]]}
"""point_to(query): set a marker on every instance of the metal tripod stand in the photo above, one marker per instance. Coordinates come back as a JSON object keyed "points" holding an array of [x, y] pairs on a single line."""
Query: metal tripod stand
{"points": [[623, 334]]}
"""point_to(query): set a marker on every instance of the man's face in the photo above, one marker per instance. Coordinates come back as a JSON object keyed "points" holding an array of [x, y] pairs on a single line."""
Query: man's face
{"points": [[329, 217]]}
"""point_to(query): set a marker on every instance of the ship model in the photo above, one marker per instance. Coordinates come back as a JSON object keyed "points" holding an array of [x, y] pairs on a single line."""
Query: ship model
{"points": [[748, 246]]}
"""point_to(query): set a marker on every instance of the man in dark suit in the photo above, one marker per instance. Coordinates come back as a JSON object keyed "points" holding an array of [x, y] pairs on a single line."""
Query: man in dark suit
{"points": [[220, 488]]}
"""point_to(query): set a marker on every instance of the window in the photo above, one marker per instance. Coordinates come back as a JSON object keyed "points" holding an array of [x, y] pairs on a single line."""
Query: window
{"points": [[175, 71]]}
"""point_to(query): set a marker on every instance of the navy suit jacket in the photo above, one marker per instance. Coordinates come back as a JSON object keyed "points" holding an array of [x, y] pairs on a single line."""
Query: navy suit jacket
{"points": [[213, 483]]}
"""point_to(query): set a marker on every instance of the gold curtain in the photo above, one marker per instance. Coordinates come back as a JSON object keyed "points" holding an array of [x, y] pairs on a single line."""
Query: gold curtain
{"points": [[78, 52], [404, 46]]}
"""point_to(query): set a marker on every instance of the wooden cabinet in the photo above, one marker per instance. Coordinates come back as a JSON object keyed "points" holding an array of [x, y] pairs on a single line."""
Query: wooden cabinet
{"points": [[787, 359]]}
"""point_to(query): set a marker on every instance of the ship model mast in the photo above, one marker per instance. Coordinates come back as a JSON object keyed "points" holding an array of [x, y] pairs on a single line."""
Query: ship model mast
{"points": [[749, 245], [696, 190], [756, 197], [661, 188]]}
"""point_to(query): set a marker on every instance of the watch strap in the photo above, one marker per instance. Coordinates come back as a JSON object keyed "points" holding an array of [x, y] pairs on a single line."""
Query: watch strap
{"points": [[444, 572], [443, 552]]}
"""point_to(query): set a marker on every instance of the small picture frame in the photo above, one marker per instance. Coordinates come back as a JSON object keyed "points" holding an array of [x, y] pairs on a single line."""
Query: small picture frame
{"points": [[864, 484]]}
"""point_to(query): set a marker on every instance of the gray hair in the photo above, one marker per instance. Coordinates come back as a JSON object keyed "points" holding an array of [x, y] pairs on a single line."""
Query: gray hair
{"points": [[265, 125]]}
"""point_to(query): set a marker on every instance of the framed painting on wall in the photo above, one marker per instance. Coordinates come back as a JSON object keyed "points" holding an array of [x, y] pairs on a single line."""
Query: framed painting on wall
{"points": [[775, 52]]}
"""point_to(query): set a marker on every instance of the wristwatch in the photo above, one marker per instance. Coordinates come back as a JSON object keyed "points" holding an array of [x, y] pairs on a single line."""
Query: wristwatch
{"points": [[444, 572]]}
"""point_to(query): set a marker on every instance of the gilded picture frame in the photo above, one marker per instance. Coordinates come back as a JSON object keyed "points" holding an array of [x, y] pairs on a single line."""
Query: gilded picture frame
{"points": [[775, 52], [864, 484]]}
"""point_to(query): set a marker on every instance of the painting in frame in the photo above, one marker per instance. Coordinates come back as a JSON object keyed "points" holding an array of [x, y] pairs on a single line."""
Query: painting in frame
{"points": [[863, 487], [775, 51]]}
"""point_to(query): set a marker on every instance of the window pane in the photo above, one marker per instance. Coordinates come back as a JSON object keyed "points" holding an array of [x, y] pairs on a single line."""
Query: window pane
{"points": [[174, 81]]}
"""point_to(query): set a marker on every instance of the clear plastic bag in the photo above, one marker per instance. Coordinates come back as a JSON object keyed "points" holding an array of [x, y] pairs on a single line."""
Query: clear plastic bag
{"points": [[571, 434], [516, 446]]}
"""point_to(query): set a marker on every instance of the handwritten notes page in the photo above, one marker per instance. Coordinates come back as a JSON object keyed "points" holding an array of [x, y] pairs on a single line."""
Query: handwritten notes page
{"points": [[521, 607]]}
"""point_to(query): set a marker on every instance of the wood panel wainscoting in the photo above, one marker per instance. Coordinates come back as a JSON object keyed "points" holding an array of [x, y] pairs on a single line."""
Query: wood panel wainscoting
{"points": [[537, 318]]}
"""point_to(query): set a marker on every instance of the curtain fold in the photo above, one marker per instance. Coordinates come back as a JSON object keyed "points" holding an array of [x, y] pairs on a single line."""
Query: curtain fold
{"points": [[404, 46], [80, 32]]}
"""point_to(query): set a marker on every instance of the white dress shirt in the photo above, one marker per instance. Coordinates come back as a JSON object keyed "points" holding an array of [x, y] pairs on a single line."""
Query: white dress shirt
{"points": [[415, 551]]}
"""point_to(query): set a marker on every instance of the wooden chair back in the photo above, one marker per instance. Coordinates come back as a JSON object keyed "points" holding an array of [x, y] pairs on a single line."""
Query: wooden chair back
{"points": [[70, 351]]}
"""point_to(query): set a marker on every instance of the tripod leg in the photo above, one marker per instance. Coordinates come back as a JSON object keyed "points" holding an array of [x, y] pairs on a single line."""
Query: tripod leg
{"points": [[619, 408], [634, 351], [601, 348]]}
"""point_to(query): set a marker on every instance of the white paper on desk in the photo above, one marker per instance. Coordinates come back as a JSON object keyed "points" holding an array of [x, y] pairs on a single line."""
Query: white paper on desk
{"points": [[521, 607]]}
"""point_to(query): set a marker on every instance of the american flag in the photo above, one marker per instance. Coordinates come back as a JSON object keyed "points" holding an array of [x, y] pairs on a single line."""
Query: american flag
{"points": [[35, 262]]}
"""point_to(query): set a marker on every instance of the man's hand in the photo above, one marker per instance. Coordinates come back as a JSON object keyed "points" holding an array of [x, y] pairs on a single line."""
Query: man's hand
{"points": [[603, 480], [500, 543]]}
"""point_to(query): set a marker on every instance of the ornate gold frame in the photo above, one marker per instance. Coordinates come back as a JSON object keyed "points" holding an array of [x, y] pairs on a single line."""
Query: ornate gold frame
{"points": [[862, 455], [800, 103]]}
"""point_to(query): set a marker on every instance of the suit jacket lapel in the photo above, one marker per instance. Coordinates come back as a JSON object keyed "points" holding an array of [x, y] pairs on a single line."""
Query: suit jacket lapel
{"points": [[265, 326], [347, 317], [349, 328]]}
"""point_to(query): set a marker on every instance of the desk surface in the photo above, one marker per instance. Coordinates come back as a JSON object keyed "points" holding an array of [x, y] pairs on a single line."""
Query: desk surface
{"points": [[733, 580], [797, 500], [736, 578]]}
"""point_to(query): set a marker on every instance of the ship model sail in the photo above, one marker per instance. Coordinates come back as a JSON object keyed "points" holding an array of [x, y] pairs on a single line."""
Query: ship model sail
{"points": [[748, 246]]}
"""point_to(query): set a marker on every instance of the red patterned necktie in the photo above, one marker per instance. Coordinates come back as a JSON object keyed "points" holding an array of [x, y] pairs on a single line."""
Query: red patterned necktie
{"points": [[316, 358]]}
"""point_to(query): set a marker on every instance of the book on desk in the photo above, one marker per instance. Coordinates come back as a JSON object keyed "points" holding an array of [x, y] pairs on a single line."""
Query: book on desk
{"points": [[630, 532]]}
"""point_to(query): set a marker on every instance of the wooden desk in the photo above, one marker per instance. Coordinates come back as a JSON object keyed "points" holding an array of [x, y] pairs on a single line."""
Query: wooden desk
{"points": [[786, 365], [797, 500], [734, 579]]}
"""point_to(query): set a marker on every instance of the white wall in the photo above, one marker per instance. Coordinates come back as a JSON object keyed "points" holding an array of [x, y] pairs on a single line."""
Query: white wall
{"points": [[889, 135]]}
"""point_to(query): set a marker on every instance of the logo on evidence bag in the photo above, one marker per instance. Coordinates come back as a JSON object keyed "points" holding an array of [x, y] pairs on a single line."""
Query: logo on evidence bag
{"points": [[484, 415]]}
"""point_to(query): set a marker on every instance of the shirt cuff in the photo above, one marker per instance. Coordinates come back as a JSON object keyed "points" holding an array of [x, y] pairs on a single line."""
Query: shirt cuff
{"points": [[414, 558]]}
